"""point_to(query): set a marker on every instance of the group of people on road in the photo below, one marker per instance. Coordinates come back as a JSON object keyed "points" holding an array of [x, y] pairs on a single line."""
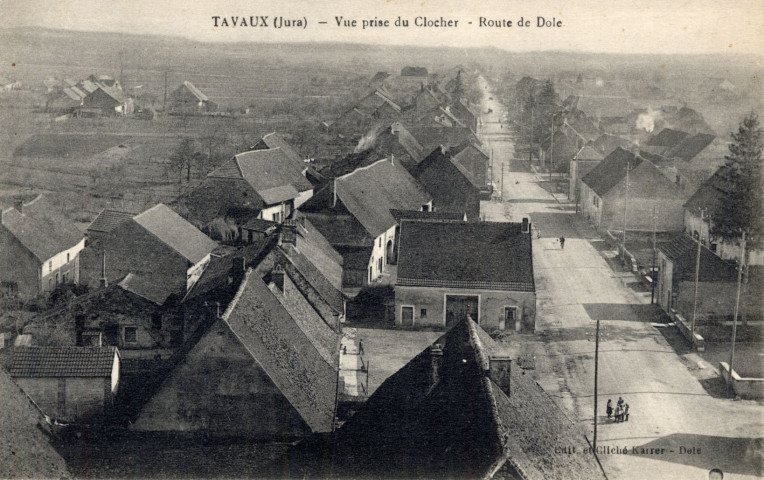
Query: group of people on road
{"points": [[621, 412]]}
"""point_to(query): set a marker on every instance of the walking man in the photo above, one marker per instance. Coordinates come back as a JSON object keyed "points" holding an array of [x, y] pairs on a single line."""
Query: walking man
{"points": [[360, 347], [562, 243], [625, 412], [609, 408]]}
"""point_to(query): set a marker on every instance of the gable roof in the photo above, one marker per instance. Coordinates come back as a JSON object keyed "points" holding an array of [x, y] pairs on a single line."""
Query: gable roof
{"points": [[108, 220], [40, 362], [710, 195], [587, 153], [486, 255], [148, 287], [690, 147], [607, 143], [176, 232], [444, 162], [610, 171], [283, 350], [450, 419], [369, 193], [683, 251], [41, 230], [340, 230], [667, 137], [196, 92], [271, 173], [274, 140], [401, 215]]}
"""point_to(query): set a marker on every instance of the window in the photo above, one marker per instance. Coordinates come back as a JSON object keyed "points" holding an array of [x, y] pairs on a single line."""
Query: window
{"points": [[380, 241], [67, 258], [131, 334], [156, 321], [714, 246], [425, 208], [276, 217], [423, 313], [596, 201], [510, 314], [57, 278], [50, 266]]}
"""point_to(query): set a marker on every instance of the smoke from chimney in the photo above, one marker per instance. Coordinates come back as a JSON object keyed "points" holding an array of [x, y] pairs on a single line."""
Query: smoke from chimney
{"points": [[646, 121], [367, 141]]}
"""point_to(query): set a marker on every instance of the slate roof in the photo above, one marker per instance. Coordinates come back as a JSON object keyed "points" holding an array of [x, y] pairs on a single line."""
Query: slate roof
{"points": [[690, 147], [485, 255], [401, 215], [710, 194], [587, 153], [147, 287], [176, 232], [108, 220], [41, 362], [458, 422], [683, 251], [284, 351], [667, 137], [41, 230], [271, 173], [369, 193], [307, 270], [340, 229], [610, 171]]}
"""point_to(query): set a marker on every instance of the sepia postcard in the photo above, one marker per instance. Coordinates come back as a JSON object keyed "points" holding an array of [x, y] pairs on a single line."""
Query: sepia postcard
{"points": [[381, 239]]}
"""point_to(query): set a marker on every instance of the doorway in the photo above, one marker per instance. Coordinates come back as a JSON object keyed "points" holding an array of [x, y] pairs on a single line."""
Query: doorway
{"points": [[459, 307], [407, 316]]}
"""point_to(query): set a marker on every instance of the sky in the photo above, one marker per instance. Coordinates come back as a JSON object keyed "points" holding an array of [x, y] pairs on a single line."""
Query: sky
{"points": [[612, 26]]}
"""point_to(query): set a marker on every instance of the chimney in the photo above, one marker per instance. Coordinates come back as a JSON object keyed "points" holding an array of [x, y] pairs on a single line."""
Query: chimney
{"points": [[104, 280], [526, 225], [277, 277], [436, 360], [392, 159], [500, 368], [334, 193]]}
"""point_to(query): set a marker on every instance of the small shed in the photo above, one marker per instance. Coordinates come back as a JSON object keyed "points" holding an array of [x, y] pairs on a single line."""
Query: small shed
{"points": [[71, 384]]}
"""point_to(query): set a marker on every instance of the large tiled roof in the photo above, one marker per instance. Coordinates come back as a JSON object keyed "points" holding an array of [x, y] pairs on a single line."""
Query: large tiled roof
{"points": [[606, 144], [148, 287], [690, 147], [710, 195], [272, 174], [283, 350], [340, 230], [274, 140], [486, 255], [667, 137], [176, 232], [316, 279], [108, 220], [610, 171], [63, 361], [454, 421], [369, 193], [683, 251], [40, 229], [400, 215]]}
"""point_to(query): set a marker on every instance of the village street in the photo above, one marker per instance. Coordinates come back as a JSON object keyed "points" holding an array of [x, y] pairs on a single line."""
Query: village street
{"points": [[669, 406]]}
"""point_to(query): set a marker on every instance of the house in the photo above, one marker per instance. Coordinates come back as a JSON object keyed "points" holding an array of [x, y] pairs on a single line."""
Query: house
{"points": [[257, 229], [667, 138], [558, 150], [25, 453], [466, 115], [264, 184], [450, 271], [708, 200], [187, 99], [472, 157], [260, 372], [39, 249], [453, 188], [157, 246], [460, 409], [376, 108], [106, 221], [604, 194], [368, 194], [695, 159], [274, 140], [70, 384], [717, 283], [108, 101]]}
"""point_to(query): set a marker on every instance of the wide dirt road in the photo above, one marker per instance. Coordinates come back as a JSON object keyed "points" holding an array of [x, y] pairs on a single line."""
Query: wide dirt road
{"points": [[684, 430]]}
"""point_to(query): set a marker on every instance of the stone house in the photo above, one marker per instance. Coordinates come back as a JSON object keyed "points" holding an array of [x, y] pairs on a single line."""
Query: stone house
{"points": [[188, 99], [453, 188], [604, 193], [448, 271], [39, 249], [70, 384]]}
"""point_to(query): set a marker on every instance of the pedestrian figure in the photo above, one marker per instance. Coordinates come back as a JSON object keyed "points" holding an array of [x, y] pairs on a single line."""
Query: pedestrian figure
{"points": [[618, 413], [609, 409], [562, 243], [620, 401], [625, 412], [360, 347], [344, 349], [538, 233]]}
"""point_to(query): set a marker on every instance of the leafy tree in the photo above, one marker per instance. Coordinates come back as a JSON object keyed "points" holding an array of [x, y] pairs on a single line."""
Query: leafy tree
{"points": [[458, 86], [741, 204]]}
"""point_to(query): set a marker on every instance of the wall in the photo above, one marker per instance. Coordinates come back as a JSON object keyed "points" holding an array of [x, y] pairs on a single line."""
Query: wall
{"points": [[221, 391], [490, 307], [718, 299], [744, 387], [726, 250], [579, 168], [665, 286], [648, 188], [302, 197], [320, 252], [589, 210], [17, 264], [284, 209], [380, 251], [84, 396], [54, 269]]}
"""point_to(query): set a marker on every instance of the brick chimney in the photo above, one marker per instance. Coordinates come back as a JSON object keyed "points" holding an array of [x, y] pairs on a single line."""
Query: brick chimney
{"points": [[526, 228], [277, 277], [436, 360], [499, 371]]}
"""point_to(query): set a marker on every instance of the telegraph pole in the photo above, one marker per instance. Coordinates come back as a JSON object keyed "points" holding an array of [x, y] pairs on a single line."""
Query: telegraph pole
{"points": [[551, 152], [596, 370], [697, 271], [652, 271], [737, 309], [625, 203]]}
